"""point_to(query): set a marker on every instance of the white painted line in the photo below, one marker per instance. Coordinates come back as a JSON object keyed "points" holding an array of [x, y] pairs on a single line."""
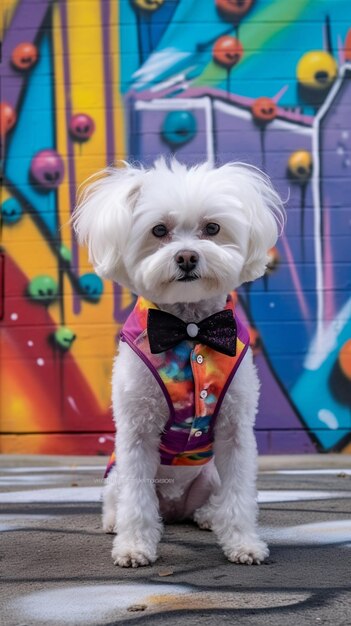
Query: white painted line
{"points": [[54, 468], [336, 531], [93, 494], [312, 360], [236, 111], [307, 472], [70, 494], [177, 104], [300, 495], [16, 522], [36, 480], [171, 104]]}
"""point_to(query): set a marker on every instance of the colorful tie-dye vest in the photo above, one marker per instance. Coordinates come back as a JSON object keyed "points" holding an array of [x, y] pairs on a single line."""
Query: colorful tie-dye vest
{"points": [[194, 379]]}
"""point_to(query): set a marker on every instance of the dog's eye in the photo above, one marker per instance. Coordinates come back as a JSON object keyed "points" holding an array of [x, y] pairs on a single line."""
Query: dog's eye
{"points": [[160, 230], [212, 229]]}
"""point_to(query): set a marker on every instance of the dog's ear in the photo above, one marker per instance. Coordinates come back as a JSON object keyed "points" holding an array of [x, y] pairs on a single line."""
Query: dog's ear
{"points": [[265, 213], [102, 218]]}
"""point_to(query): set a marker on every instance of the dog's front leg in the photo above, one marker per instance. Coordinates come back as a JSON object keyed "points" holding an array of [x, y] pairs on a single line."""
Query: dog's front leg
{"points": [[234, 508], [138, 524], [231, 511]]}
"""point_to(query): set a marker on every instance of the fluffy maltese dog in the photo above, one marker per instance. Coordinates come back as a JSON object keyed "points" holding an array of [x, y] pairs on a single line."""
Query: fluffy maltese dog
{"points": [[184, 389]]}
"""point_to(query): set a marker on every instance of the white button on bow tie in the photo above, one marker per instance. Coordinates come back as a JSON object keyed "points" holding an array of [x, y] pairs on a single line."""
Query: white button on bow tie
{"points": [[192, 330]]}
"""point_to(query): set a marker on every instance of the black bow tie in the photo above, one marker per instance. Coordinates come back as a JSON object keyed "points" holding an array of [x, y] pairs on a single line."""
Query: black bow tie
{"points": [[217, 331]]}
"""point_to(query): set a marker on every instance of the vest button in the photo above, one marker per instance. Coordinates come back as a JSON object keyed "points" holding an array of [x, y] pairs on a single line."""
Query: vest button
{"points": [[203, 394], [200, 359], [198, 433]]}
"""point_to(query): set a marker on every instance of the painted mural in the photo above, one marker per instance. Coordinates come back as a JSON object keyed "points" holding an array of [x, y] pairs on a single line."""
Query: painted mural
{"points": [[84, 84]]}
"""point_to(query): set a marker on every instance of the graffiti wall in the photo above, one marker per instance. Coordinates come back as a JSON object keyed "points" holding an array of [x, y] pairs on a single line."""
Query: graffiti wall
{"points": [[86, 83]]}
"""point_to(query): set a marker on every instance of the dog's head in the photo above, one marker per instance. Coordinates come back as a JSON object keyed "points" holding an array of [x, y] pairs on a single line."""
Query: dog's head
{"points": [[178, 234]]}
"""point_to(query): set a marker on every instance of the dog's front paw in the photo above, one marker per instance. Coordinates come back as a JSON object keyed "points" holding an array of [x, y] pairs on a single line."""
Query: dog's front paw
{"points": [[247, 551], [203, 517], [109, 523], [132, 554]]}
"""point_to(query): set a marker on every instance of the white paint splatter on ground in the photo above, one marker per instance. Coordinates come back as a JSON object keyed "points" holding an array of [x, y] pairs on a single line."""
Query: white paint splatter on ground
{"points": [[92, 604]]}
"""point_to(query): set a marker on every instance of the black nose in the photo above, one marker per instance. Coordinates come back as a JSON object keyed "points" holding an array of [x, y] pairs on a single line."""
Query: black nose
{"points": [[187, 260]]}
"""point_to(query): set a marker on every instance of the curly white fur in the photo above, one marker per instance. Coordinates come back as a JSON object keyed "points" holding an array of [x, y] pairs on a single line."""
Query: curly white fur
{"points": [[115, 217]]}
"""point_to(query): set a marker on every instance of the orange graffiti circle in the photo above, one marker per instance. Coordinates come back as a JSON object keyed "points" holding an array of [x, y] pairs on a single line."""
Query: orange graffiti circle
{"points": [[255, 340], [24, 56], [7, 118], [264, 109], [234, 8], [345, 359], [227, 51], [273, 260]]}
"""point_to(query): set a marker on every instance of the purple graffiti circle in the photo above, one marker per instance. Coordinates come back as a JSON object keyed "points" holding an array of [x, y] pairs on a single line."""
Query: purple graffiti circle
{"points": [[81, 127], [47, 169]]}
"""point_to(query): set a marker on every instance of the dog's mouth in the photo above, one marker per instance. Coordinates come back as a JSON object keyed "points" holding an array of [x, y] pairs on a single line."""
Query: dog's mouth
{"points": [[187, 278]]}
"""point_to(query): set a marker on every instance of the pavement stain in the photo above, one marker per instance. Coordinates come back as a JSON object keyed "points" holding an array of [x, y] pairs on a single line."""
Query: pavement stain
{"points": [[225, 600]]}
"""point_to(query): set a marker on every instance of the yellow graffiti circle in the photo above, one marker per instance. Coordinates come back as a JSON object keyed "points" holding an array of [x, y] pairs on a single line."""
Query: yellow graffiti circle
{"points": [[317, 70], [148, 5], [300, 165]]}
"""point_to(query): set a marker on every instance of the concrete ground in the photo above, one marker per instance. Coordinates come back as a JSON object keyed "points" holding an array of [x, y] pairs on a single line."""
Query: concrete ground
{"points": [[56, 566]]}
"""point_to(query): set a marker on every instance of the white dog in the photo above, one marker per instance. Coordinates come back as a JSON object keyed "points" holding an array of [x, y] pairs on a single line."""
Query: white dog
{"points": [[182, 239]]}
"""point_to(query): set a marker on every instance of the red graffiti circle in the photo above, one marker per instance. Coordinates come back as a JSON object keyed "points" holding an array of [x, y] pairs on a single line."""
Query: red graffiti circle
{"points": [[264, 109], [347, 48], [227, 51], [7, 118], [24, 56], [233, 8]]}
